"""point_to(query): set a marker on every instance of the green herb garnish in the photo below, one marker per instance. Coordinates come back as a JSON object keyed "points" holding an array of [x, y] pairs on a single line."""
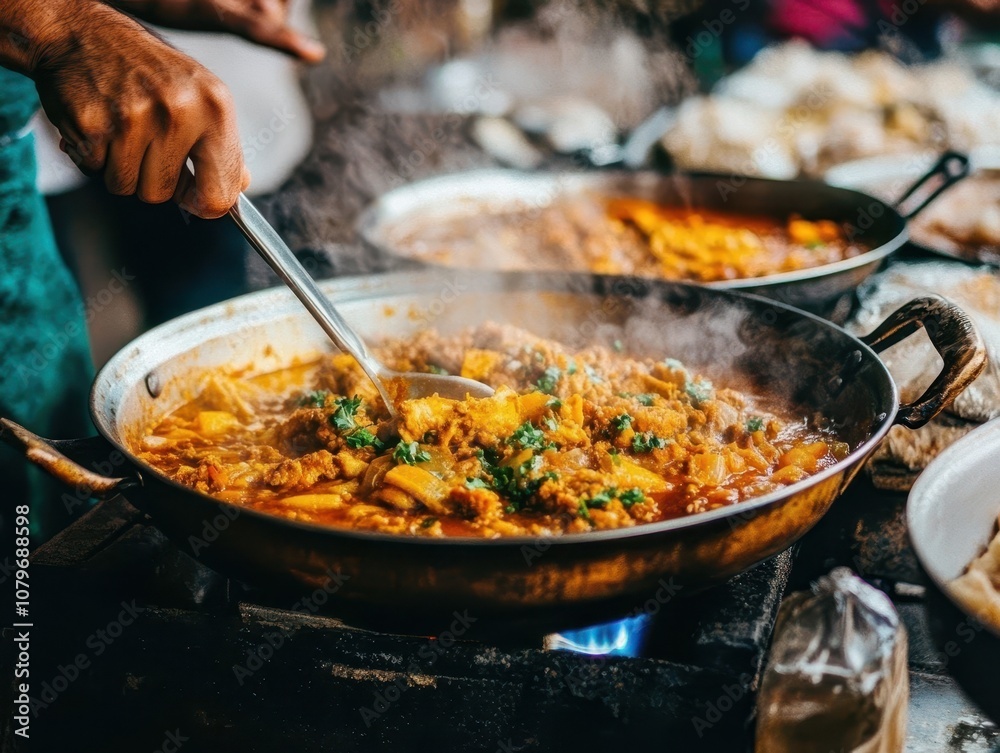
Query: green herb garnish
{"points": [[343, 417], [428, 522], [699, 392], [645, 398], [755, 424], [513, 484], [364, 438], [549, 380], [621, 422], [410, 453], [315, 399], [647, 442], [527, 437], [601, 499], [631, 497], [432, 369]]}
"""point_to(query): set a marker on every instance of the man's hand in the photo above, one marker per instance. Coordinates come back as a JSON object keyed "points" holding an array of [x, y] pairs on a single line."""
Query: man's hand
{"points": [[262, 21], [127, 104]]}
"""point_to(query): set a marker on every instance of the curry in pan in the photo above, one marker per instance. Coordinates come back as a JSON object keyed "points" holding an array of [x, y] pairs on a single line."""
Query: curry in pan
{"points": [[629, 236], [571, 441]]}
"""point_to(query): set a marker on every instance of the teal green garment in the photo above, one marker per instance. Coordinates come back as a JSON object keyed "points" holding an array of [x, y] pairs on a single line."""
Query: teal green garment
{"points": [[46, 371]]}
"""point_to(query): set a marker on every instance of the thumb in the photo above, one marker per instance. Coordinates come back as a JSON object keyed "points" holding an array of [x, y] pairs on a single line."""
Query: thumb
{"points": [[287, 39]]}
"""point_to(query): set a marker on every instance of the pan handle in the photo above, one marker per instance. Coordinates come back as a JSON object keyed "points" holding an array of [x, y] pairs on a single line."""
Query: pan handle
{"points": [[954, 337], [44, 454], [951, 167]]}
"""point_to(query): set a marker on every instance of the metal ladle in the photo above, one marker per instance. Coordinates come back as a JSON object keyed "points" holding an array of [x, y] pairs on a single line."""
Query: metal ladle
{"points": [[393, 386]]}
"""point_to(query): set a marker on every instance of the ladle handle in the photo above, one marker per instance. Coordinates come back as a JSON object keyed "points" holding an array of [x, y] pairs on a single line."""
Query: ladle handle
{"points": [[280, 258]]}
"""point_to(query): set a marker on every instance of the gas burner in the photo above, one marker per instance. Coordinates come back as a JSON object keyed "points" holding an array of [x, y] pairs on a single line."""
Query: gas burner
{"points": [[212, 658], [623, 637]]}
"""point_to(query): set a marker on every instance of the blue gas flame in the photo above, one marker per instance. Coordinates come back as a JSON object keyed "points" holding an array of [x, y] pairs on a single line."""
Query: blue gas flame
{"points": [[620, 638]]}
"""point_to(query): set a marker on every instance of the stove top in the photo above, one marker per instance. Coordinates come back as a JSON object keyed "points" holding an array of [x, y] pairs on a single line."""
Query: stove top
{"points": [[134, 636]]}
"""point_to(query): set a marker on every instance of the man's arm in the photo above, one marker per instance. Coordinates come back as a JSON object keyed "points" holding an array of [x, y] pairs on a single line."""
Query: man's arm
{"points": [[126, 103]]}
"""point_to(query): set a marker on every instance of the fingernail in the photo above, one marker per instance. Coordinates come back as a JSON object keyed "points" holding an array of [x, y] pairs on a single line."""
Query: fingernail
{"points": [[314, 48]]}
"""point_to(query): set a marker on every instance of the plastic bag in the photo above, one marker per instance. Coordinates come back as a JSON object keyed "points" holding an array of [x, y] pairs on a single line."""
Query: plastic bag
{"points": [[837, 676]]}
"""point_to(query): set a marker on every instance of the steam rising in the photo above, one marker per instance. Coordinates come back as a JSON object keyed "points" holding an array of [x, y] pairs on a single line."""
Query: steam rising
{"points": [[367, 144]]}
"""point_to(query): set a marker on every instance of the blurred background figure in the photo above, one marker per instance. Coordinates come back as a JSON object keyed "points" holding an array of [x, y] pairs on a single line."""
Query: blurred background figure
{"points": [[168, 261]]}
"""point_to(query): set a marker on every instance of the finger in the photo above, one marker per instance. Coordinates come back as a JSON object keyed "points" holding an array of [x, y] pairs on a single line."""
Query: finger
{"points": [[185, 184], [87, 154], [125, 155], [161, 168], [219, 176], [286, 39]]}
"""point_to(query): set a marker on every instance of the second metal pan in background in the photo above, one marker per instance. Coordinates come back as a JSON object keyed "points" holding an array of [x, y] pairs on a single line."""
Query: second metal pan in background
{"points": [[877, 224]]}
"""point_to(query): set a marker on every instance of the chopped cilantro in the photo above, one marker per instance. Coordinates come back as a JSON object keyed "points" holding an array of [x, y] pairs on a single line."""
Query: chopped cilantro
{"points": [[550, 423], [410, 453], [343, 417], [699, 392], [549, 380], [364, 438], [645, 398], [592, 374], [621, 422], [554, 403], [513, 484], [615, 456], [428, 522], [673, 363], [531, 464], [631, 497], [628, 498], [527, 437], [602, 498], [755, 424], [571, 369], [488, 457], [647, 442], [315, 399], [433, 369]]}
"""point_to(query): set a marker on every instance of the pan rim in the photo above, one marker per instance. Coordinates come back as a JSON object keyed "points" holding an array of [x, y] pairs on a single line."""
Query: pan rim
{"points": [[366, 286]]}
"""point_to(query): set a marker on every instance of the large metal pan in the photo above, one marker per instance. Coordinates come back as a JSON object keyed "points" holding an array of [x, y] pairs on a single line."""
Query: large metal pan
{"points": [[559, 582], [951, 515], [870, 221]]}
